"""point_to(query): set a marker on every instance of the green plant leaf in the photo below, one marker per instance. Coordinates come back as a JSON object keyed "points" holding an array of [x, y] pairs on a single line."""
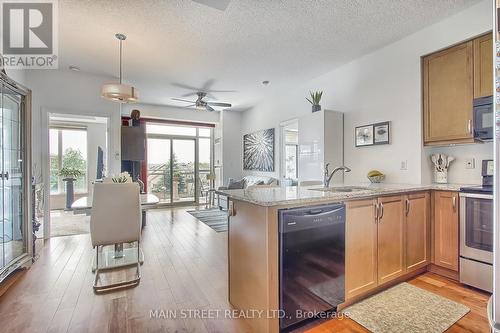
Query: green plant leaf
{"points": [[309, 100]]}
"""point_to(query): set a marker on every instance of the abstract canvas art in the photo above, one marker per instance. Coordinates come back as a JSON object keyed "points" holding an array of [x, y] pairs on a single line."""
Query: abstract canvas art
{"points": [[258, 150]]}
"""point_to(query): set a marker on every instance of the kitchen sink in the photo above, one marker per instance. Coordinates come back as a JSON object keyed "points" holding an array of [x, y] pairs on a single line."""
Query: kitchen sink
{"points": [[342, 189]]}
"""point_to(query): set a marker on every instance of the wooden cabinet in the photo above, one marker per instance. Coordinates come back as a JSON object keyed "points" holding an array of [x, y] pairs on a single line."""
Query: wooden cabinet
{"points": [[451, 79], [390, 238], [374, 243], [448, 95], [361, 247], [445, 229], [417, 231], [483, 64]]}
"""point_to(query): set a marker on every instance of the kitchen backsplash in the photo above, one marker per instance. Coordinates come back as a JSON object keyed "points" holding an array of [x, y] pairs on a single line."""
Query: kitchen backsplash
{"points": [[458, 172]]}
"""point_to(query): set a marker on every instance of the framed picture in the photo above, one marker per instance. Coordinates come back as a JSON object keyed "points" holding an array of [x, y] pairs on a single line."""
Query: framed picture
{"points": [[381, 133], [364, 136], [258, 151]]}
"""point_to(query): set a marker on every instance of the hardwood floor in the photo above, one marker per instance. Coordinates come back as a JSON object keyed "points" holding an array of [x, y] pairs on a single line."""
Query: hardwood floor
{"points": [[185, 268]]}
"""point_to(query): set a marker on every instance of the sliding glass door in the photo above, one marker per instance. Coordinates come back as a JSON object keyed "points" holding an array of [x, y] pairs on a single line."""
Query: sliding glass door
{"points": [[184, 170], [159, 171], [179, 161]]}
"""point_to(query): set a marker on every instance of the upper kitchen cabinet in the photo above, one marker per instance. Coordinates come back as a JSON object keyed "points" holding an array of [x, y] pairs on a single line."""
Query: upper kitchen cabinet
{"points": [[483, 63], [448, 95], [452, 78]]}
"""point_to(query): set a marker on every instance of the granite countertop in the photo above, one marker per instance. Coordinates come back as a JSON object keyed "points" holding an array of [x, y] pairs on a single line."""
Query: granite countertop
{"points": [[291, 195]]}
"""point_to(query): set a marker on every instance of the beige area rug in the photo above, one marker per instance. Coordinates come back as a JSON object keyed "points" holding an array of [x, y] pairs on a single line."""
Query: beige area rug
{"points": [[64, 223], [406, 308]]}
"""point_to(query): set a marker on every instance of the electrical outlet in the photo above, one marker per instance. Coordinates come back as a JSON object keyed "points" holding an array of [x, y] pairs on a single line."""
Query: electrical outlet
{"points": [[404, 165], [470, 163]]}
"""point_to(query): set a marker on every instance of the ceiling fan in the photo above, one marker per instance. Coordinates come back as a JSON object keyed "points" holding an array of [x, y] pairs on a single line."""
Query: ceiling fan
{"points": [[200, 104]]}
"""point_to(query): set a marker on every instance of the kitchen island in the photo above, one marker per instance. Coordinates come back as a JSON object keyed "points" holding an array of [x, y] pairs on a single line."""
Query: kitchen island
{"points": [[377, 254]]}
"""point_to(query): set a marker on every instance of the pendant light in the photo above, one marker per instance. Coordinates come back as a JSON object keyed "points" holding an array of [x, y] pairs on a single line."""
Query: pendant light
{"points": [[119, 92]]}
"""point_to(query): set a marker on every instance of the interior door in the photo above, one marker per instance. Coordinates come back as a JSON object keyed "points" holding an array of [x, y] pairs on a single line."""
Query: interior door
{"points": [[12, 181]]}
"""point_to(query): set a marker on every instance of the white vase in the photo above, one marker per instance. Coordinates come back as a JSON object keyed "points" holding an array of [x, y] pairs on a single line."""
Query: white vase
{"points": [[441, 177]]}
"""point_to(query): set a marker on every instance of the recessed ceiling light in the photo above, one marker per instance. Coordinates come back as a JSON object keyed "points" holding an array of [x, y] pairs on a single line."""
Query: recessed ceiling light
{"points": [[266, 82], [74, 68]]}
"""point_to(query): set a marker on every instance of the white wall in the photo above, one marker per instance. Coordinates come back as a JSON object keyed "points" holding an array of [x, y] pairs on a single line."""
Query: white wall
{"points": [[232, 145], [17, 75], [384, 85], [67, 92], [458, 173]]}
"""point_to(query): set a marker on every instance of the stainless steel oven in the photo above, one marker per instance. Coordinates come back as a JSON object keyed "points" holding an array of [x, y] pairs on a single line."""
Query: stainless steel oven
{"points": [[476, 239]]}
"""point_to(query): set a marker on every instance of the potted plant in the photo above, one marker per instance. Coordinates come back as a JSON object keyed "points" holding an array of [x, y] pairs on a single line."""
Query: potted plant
{"points": [[69, 176], [314, 100]]}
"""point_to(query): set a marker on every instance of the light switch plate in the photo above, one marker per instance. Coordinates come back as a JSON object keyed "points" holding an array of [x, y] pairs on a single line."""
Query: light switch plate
{"points": [[470, 163], [404, 165]]}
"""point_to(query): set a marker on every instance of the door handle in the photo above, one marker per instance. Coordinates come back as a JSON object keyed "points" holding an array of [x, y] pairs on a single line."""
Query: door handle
{"points": [[381, 211], [376, 211], [454, 203], [407, 206], [469, 126]]}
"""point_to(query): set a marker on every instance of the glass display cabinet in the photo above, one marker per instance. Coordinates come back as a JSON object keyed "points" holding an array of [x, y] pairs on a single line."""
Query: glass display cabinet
{"points": [[15, 178]]}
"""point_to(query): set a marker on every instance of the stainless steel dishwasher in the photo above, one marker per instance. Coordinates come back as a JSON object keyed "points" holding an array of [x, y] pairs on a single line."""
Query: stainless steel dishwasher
{"points": [[311, 262]]}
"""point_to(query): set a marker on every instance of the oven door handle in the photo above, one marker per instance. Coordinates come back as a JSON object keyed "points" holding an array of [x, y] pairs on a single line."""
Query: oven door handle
{"points": [[476, 195]]}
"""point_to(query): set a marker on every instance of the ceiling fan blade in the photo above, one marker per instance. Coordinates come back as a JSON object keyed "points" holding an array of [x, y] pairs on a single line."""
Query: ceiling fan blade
{"points": [[207, 85], [189, 94], [225, 105], [190, 106], [209, 108], [183, 100], [184, 86], [220, 91]]}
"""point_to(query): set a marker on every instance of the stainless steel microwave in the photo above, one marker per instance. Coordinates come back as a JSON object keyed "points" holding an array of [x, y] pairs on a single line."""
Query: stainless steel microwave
{"points": [[483, 118]]}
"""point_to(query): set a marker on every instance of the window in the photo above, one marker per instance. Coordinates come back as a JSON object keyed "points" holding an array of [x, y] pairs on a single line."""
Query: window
{"points": [[291, 138], [170, 130], [68, 150], [291, 152]]}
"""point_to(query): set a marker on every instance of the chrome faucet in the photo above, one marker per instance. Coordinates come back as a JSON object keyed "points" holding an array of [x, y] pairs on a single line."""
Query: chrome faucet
{"points": [[328, 176]]}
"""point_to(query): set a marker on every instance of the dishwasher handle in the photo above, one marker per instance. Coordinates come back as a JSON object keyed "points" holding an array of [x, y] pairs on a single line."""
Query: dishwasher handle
{"points": [[291, 220]]}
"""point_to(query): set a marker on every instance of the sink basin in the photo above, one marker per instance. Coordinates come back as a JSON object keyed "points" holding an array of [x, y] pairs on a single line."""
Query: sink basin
{"points": [[342, 189]]}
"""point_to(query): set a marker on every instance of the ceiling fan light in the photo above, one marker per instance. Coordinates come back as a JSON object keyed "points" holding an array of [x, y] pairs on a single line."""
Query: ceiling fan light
{"points": [[121, 93]]}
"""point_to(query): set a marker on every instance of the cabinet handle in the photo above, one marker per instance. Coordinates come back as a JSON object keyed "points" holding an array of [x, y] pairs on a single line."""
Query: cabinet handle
{"points": [[454, 202], [230, 210], [381, 211], [376, 212], [407, 206], [469, 126]]}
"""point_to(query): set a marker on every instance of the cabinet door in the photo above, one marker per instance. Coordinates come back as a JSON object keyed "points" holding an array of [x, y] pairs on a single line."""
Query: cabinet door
{"points": [[390, 238], [417, 230], [448, 94], [361, 247], [446, 229], [483, 66]]}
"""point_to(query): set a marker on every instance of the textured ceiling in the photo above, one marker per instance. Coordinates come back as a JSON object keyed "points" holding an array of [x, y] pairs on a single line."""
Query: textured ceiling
{"points": [[185, 42]]}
